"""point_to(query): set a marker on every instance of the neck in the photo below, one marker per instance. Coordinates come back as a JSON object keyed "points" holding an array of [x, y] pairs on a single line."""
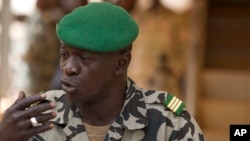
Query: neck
{"points": [[105, 111]]}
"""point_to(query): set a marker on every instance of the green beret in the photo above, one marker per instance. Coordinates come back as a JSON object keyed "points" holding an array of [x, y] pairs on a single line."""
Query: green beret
{"points": [[98, 27]]}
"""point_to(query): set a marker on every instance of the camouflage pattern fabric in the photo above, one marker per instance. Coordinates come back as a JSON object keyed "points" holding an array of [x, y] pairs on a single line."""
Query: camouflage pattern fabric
{"points": [[142, 118]]}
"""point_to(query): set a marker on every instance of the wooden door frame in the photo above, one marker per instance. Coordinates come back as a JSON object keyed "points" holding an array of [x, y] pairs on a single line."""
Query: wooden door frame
{"points": [[195, 54], [6, 18]]}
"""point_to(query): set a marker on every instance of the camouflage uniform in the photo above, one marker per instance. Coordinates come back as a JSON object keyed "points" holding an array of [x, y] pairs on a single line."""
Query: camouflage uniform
{"points": [[142, 118]]}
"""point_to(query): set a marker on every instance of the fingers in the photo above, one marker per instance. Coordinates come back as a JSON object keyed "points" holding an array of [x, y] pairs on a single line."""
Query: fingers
{"points": [[17, 110], [22, 110], [37, 109], [40, 129], [41, 119], [28, 133], [17, 118], [23, 102], [22, 117], [45, 117], [21, 96]]}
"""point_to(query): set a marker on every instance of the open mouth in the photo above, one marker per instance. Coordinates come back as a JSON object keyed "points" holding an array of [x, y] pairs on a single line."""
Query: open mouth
{"points": [[68, 87]]}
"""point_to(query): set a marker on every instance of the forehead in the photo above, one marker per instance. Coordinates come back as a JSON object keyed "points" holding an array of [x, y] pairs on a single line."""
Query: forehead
{"points": [[80, 51], [67, 47]]}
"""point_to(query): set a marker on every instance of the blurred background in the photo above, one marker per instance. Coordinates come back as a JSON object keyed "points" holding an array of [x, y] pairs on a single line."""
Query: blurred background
{"points": [[199, 50]]}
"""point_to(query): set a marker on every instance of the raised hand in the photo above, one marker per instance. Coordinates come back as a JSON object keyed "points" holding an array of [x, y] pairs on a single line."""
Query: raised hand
{"points": [[16, 124]]}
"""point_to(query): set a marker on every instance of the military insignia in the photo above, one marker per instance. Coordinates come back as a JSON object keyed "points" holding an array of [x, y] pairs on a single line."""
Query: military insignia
{"points": [[174, 104]]}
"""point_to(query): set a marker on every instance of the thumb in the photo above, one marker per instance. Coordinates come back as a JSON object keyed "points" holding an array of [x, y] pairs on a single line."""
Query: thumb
{"points": [[21, 96]]}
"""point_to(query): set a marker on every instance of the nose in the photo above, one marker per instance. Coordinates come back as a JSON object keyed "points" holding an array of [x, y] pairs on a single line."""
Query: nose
{"points": [[70, 67]]}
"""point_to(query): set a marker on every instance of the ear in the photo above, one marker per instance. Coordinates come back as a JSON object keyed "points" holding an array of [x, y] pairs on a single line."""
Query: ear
{"points": [[123, 61]]}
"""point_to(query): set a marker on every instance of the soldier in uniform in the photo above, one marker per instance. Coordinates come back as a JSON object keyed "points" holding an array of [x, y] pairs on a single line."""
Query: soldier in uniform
{"points": [[98, 101]]}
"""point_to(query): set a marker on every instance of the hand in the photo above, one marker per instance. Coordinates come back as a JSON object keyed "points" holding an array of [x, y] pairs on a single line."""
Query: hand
{"points": [[16, 124]]}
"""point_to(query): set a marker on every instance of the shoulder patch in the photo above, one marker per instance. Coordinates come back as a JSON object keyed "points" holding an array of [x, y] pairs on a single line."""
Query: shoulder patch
{"points": [[174, 104]]}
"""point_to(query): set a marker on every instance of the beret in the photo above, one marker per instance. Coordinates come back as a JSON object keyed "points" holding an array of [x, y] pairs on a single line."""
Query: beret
{"points": [[98, 27]]}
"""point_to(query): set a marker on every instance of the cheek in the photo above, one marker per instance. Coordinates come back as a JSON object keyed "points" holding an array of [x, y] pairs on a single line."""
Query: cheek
{"points": [[90, 88], [89, 78], [92, 80]]}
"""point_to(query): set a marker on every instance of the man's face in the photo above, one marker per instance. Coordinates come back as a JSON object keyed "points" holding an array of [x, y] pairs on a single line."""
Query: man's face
{"points": [[86, 76]]}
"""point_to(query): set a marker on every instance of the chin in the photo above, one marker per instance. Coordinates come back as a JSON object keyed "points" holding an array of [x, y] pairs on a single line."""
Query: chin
{"points": [[72, 97]]}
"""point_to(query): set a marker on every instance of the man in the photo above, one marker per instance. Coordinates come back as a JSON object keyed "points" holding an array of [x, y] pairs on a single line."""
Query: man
{"points": [[98, 101], [67, 6]]}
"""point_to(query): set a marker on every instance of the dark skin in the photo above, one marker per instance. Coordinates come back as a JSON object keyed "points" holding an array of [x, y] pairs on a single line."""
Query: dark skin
{"points": [[95, 80], [16, 125]]}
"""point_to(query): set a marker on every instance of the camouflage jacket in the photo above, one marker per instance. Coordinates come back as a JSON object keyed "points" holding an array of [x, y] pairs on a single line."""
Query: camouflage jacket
{"points": [[142, 118]]}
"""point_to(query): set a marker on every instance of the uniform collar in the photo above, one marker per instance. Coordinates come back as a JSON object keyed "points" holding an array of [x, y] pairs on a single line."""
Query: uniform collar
{"points": [[134, 112]]}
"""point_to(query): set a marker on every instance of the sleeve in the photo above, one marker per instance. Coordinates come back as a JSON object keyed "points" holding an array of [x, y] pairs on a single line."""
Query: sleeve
{"points": [[185, 128]]}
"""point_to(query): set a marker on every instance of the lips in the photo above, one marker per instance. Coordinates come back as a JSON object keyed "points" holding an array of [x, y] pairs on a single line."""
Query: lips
{"points": [[68, 86]]}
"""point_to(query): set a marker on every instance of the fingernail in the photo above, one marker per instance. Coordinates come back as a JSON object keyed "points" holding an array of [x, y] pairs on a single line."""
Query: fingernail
{"points": [[51, 125], [53, 114], [52, 104], [43, 95]]}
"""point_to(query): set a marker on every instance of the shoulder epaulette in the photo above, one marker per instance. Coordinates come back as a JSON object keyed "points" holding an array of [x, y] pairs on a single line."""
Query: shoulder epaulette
{"points": [[174, 104]]}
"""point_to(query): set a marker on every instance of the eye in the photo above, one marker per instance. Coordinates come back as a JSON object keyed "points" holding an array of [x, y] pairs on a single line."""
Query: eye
{"points": [[84, 57], [63, 54]]}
